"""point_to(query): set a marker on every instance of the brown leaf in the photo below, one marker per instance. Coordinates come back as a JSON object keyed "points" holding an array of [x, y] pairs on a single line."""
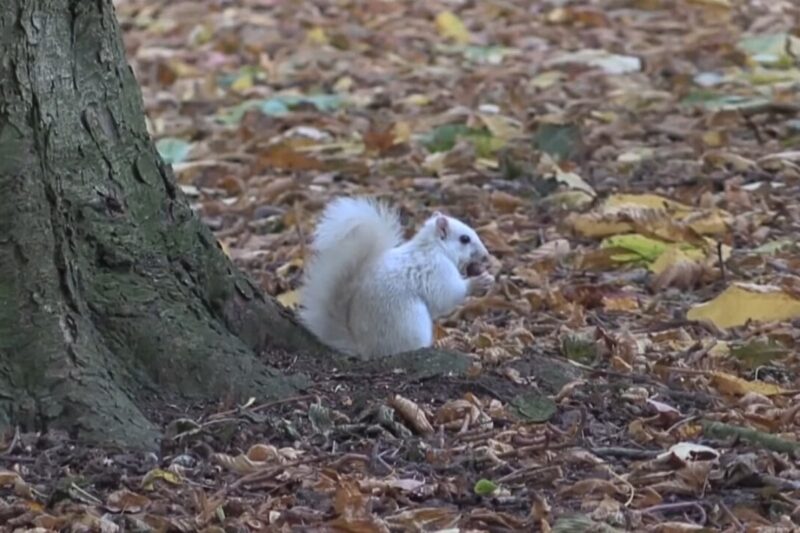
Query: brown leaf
{"points": [[284, 157], [506, 203], [379, 140], [587, 487], [126, 501], [494, 239], [425, 519], [411, 413]]}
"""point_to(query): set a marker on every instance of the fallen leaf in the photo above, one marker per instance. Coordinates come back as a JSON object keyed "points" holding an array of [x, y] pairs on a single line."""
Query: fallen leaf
{"points": [[560, 140], [624, 213], [606, 61], [172, 150], [126, 501], [506, 203], [501, 127], [412, 414], [494, 239], [775, 49], [759, 352], [744, 302], [484, 487], [451, 27], [674, 268], [733, 385], [317, 35], [425, 519], [687, 452], [149, 479]]}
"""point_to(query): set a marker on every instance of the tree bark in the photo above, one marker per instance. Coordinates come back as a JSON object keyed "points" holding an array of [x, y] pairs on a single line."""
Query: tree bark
{"points": [[112, 292]]}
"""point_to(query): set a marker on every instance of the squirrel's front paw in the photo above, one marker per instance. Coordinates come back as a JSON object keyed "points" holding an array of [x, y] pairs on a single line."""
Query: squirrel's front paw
{"points": [[480, 284]]}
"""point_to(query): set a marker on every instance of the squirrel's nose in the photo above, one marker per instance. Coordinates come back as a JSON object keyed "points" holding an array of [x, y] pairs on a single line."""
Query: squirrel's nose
{"points": [[481, 256]]}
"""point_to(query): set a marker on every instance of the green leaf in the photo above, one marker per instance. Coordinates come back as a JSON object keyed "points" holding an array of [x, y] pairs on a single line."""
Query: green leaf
{"points": [[770, 48], [534, 407], [606, 61], [562, 141], [774, 246], [234, 114], [759, 352], [173, 150], [484, 487], [274, 107], [713, 101], [444, 137], [642, 248], [578, 348], [492, 55], [281, 105], [324, 102], [485, 143]]}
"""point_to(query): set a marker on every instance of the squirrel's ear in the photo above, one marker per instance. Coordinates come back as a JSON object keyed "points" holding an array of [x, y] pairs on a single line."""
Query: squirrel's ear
{"points": [[442, 226]]}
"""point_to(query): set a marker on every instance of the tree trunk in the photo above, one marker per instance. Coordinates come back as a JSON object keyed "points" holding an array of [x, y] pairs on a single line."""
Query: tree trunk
{"points": [[112, 292]]}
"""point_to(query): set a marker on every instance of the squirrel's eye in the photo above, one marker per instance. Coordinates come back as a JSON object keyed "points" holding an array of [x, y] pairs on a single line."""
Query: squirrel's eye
{"points": [[464, 239]]}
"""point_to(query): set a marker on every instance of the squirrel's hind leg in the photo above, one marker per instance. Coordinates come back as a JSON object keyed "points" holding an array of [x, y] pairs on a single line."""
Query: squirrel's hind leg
{"points": [[408, 327]]}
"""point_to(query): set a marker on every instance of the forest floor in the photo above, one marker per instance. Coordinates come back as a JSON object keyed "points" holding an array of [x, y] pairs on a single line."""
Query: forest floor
{"points": [[633, 166]]}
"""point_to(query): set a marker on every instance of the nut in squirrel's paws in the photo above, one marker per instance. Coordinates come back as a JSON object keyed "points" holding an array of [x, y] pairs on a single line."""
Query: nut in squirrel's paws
{"points": [[481, 283]]}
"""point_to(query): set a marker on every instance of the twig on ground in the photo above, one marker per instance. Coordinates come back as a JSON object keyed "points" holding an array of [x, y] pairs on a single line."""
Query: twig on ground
{"points": [[722, 273], [627, 453], [677, 506]]}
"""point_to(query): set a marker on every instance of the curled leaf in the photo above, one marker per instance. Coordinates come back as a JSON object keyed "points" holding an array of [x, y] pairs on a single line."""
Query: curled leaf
{"points": [[411, 413]]}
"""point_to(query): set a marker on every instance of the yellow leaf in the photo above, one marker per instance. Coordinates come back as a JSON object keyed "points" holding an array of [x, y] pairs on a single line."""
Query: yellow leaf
{"points": [[720, 350], [619, 212], [546, 79], [435, 162], [713, 138], [501, 127], [673, 255], [569, 200], [417, 100], [289, 299], [742, 302], [617, 202], [635, 155], [729, 384], [343, 84], [592, 225], [148, 482], [317, 35], [676, 267], [451, 27], [9, 478], [572, 180], [243, 83], [402, 132]]}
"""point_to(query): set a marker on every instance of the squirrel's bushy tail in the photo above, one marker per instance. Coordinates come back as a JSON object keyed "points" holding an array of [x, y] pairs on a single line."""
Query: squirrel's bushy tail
{"points": [[350, 233]]}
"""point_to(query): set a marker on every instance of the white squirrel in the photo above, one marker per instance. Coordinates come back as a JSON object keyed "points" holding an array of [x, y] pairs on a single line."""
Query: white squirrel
{"points": [[368, 293]]}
